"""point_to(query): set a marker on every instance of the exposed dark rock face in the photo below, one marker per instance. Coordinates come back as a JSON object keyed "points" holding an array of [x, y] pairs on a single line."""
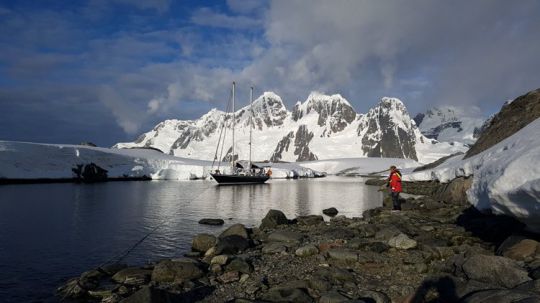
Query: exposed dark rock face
{"points": [[419, 118], [333, 111], [301, 141], [90, 173], [435, 163], [386, 137], [512, 117], [188, 134], [282, 146], [434, 132]]}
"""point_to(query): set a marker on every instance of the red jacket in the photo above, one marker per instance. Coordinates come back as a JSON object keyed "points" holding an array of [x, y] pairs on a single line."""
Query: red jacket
{"points": [[395, 181]]}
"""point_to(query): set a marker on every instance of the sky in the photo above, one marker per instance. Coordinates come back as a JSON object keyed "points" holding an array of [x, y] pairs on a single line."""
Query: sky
{"points": [[105, 71]]}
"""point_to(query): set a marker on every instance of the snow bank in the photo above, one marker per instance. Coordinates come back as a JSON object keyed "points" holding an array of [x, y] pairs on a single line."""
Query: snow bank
{"points": [[506, 177], [359, 166], [20, 160]]}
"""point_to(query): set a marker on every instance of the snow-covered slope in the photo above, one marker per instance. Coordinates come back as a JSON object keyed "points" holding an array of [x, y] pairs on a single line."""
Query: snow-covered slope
{"points": [[506, 177], [451, 123], [321, 127], [20, 160]]}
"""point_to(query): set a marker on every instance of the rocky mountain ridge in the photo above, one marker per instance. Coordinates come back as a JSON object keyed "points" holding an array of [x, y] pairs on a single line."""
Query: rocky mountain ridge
{"points": [[321, 127]]}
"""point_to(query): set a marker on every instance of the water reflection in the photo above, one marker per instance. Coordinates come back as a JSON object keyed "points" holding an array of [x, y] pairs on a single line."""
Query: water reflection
{"points": [[51, 232]]}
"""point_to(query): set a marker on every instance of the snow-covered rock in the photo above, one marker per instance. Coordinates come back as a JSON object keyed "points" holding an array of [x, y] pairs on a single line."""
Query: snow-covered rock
{"points": [[321, 127], [506, 176], [451, 123]]}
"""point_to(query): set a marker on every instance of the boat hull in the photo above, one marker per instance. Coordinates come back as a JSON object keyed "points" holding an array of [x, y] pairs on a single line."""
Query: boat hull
{"points": [[222, 179]]}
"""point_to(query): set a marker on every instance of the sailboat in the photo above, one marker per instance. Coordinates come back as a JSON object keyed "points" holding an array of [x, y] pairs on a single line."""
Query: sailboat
{"points": [[242, 172]]}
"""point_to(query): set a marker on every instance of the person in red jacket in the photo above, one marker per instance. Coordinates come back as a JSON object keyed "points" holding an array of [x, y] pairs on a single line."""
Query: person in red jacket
{"points": [[394, 182]]}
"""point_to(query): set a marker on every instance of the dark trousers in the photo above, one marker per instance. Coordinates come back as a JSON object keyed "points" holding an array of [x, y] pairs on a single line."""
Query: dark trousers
{"points": [[395, 200]]}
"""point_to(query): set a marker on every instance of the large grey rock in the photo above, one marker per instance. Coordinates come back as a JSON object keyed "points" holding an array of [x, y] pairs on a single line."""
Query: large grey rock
{"points": [[273, 218], [332, 297], [235, 230], [523, 250], [402, 241], [203, 242], [295, 295], [373, 296], [343, 254], [387, 232], [231, 245], [286, 236], [274, 248], [239, 265], [176, 271], [495, 270], [310, 220], [501, 296], [132, 276]]}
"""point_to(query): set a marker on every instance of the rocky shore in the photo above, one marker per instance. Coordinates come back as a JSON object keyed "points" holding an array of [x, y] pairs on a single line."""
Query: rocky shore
{"points": [[432, 251]]}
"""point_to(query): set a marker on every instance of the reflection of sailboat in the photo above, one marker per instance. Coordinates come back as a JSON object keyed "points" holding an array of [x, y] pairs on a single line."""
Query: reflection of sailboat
{"points": [[242, 172]]}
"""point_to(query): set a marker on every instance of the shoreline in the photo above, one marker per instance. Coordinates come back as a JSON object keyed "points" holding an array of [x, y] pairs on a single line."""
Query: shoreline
{"points": [[432, 250]]}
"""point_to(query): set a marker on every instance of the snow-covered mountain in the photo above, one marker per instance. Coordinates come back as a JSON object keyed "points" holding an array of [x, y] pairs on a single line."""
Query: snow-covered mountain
{"points": [[451, 124], [321, 127]]}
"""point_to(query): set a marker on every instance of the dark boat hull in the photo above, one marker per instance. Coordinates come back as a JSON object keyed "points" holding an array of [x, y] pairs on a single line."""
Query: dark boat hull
{"points": [[239, 179]]}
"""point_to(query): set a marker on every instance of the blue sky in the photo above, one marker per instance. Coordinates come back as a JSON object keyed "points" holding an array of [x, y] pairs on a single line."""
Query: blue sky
{"points": [[106, 71]]}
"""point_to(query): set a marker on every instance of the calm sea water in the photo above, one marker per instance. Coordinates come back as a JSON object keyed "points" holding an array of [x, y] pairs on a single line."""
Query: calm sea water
{"points": [[52, 232]]}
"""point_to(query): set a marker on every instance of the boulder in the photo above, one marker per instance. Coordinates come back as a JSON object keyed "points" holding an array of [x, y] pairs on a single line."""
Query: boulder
{"points": [[209, 221], [373, 296], [310, 220], [235, 230], [332, 297], [176, 271], [402, 241], [229, 277], [132, 276], [332, 211], [286, 236], [386, 233], [273, 218], [203, 242], [274, 248], [307, 250], [239, 265], [220, 260], [495, 270], [522, 250], [343, 255], [231, 245], [295, 295], [501, 296]]}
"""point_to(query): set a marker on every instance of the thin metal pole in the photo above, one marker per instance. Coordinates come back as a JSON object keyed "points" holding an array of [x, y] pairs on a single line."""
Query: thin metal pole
{"points": [[233, 125], [250, 123]]}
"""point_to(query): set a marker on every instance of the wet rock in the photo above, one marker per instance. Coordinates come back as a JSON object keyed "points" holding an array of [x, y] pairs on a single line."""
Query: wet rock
{"points": [[235, 230], [307, 250], [274, 248], [239, 265], [176, 271], [401, 241], [203, 242], [150, 295], [533, 285], [332, 297], [72, 289], [209, 221], [286, 236], [338, 232], [229, 277], [273, 218], [111, 269], [342, 254], [332, 211], [494, 270], [231, 245], [319, 284], [132, 276], [310, 220], [287, 295]]}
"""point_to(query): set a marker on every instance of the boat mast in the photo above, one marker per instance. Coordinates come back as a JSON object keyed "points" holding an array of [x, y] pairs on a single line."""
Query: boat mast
{"points": [[250, 123], [232, 156]]}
